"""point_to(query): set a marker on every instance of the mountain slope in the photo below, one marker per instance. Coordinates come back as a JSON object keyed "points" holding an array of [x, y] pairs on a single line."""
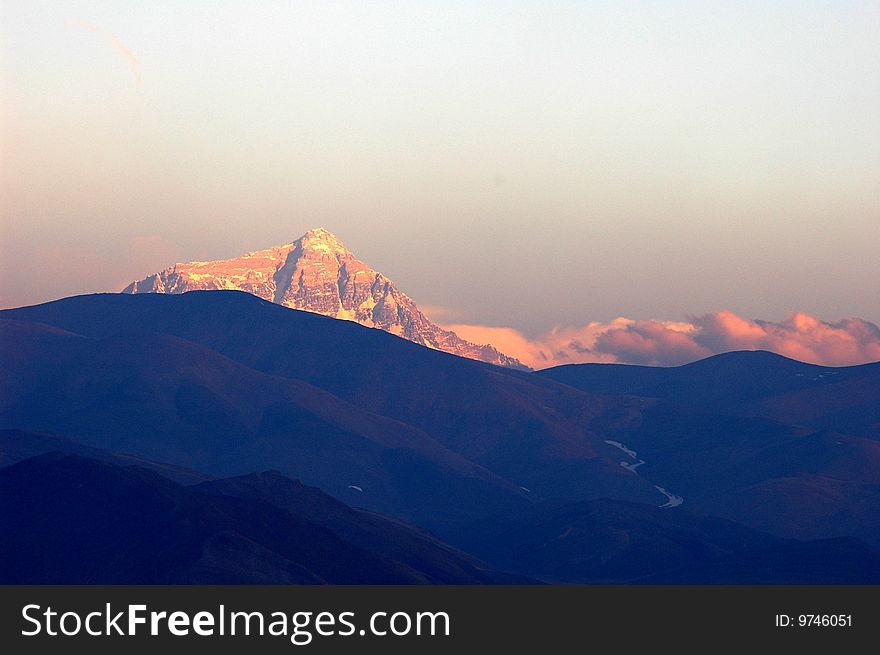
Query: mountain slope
{"points": [[603, 541], [376, 534], [316, 273], [779, 445], [72, 520], [840, 561], [19, 445], [532, 432], [702, 438], [747, 383], [163, 398], [228, 381]]}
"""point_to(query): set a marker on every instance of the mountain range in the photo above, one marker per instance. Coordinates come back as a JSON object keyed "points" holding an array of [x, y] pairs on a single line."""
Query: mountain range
{"points": [[129, 525], [317, 273], [414, 464], [228, 384]]}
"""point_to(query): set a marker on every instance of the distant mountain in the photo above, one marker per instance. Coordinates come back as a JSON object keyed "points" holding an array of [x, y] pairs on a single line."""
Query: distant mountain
{"points": [[748, 383], [73, 520], [317, 273]]}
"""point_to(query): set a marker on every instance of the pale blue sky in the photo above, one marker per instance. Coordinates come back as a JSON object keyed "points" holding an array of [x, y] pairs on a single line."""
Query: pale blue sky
{"points": [[524, 164]]}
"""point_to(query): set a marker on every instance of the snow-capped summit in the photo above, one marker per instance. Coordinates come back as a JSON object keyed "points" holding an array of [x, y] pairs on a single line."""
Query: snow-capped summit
{"points": [[322, 239], [317, 273]]}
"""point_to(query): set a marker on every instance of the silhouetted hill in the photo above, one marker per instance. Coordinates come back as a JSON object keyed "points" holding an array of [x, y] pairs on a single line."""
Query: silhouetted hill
{"points": [[73, 520], [163, 398], [380, 535], [721, 381], [756, 438], [529, 431], [68, 519], [226, 383], [18, 445], [748, 383]]}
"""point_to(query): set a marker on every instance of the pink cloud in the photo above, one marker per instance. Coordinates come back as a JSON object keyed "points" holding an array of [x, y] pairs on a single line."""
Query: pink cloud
{"points": [[667, 343], [651, 342], [850, 341]]}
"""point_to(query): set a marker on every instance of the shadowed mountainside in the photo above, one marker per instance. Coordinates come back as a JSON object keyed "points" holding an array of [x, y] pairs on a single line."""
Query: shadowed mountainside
{"points": [[201, 351], [374, 533], [19, 445], [73, 520], [747, 383], [163, 398], [603, 541], [557, 475], [776, 444]]}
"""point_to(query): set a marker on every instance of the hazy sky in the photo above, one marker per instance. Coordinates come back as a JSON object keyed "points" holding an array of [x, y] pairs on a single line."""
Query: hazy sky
{"points": [[525, 164]]}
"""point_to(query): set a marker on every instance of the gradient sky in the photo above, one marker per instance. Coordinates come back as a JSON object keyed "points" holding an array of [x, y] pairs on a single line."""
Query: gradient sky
{"points": [[518, 164]]}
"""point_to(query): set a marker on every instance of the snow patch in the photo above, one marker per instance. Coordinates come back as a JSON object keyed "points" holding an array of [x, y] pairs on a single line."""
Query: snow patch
{"points": [[629, 451], [622, 447], [671, 499]]}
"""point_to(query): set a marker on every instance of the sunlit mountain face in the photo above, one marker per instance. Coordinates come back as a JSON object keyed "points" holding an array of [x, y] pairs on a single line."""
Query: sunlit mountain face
{"points": [[317, 273]]}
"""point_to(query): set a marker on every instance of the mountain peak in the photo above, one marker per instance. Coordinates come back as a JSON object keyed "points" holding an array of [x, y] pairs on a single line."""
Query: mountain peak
{"points": [[320, 233], [317, 273], [321, 238]]}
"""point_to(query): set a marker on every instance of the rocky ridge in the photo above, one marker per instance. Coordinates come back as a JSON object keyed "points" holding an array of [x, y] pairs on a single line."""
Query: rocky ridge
{"points": [[317, 273]]}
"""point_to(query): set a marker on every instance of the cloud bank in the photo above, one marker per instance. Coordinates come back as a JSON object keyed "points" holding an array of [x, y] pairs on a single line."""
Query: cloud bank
{"points": [[669, 343]]}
